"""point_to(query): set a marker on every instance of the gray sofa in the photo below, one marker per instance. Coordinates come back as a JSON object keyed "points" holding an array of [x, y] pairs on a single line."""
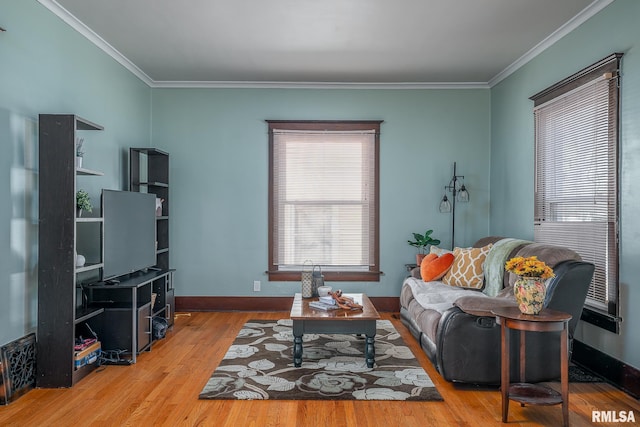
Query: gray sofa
{"points": [[459, 334]]}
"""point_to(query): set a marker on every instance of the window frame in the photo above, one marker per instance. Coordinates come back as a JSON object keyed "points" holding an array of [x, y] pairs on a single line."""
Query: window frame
{"points": [[373, 273], [606, 318]]}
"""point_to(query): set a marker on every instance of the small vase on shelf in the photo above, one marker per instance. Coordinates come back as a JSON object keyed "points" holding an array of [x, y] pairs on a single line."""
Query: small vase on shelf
{"points": [[530, 293]]}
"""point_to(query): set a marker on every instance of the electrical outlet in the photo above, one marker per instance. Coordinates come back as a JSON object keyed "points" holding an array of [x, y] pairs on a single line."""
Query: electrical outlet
{"points": [[256, 286]]}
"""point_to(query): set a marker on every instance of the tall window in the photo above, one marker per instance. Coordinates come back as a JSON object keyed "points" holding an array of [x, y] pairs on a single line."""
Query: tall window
{"points": [[323, 199], [576, 182]]}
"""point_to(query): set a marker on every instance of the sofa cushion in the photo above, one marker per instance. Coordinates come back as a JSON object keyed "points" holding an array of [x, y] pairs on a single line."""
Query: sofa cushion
{"points": [[467, 270], [433, 267], [426, 319]]}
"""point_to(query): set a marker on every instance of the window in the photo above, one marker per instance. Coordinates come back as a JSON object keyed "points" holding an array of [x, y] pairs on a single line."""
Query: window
{"points": [[323, 199], [576, 177]]}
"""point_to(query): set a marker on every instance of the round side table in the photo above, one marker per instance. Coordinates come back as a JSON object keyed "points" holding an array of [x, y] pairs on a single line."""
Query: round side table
{"points": [[525, 393]]}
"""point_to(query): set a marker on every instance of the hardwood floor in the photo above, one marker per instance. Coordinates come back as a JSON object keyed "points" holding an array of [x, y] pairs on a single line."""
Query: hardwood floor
{"points": [[162, 390]]}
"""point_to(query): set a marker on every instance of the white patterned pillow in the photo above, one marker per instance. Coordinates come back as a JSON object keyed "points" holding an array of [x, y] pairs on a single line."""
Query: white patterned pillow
{"points": [[439, 251], [467, 269]]}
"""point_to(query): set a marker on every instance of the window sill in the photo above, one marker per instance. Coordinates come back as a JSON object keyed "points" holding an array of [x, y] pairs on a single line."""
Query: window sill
{"points": [[600, 320], [329, 276]]}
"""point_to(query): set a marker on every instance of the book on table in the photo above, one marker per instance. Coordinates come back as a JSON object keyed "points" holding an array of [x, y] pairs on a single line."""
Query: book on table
{"points": [[322, 306], [327, 300]]}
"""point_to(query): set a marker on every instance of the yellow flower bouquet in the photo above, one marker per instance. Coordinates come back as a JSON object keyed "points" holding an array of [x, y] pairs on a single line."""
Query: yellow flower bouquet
{"points": [[529, 267]]}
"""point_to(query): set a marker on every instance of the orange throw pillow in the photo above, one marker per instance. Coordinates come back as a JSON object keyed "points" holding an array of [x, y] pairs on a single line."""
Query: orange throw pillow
{"points": [[433, 267]]}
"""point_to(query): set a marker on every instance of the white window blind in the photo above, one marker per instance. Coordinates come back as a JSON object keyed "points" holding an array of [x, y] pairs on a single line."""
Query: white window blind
{"points": [[576, 180], [324, 198]]}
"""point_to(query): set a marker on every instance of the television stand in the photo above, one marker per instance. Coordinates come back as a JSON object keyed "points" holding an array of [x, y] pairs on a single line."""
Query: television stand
{"points": [[126, 323]]}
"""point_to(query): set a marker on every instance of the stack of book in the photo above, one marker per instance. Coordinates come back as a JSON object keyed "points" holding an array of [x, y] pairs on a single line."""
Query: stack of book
{"points": [[324, 303]]}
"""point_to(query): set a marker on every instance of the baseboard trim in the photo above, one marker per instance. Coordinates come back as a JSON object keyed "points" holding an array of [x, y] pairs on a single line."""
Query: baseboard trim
{"points": [[383, 304], [618, 373]]}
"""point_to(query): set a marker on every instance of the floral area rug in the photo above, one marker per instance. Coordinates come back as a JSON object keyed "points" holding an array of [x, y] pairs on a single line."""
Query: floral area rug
{"points": [[259, 365]]}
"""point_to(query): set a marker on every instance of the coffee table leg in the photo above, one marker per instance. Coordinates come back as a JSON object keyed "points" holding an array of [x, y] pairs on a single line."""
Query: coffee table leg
{"points": [[370, 351], [297, 350]]}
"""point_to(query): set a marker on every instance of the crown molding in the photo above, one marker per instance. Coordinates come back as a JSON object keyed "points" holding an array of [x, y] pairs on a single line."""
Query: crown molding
{"points": [[569, 26], [94, 38], [315, 85], [79, 26]]}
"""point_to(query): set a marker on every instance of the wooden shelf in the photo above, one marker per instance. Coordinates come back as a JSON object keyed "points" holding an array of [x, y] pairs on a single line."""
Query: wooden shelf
{"points": [[90, 219], [89, 267], [84, 124], [152, 184], [84, 314], [150, 151], [84, 171], [534, 394]]}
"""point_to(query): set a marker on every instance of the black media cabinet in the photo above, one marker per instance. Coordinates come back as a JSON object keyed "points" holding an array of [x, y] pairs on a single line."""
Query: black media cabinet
{"points": [[126, 322]]}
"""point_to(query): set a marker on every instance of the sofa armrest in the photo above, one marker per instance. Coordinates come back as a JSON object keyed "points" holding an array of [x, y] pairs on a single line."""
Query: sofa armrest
{"points": [[479, 306]]}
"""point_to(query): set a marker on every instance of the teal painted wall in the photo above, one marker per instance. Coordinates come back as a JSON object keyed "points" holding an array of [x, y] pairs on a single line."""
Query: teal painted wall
{"points": [[219, 175], [614, 29], [47, 67], [218, 144]]}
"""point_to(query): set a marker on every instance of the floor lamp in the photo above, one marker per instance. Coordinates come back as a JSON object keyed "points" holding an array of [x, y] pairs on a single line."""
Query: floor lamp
{"points": [[459, 193]]}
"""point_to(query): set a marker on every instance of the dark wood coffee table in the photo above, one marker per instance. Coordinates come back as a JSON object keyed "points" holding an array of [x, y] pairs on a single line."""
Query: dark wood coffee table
{"points": [[308, 320]]}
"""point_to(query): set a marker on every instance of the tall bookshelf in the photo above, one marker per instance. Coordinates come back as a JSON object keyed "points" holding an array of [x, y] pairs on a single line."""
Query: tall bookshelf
{"points": [[149, 173], [62, 316]]}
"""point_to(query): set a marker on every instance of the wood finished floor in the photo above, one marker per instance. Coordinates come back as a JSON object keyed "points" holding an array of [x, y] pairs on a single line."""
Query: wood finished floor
{"points": [[162, 390]]}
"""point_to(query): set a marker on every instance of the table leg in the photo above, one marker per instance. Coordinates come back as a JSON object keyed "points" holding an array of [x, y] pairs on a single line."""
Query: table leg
{"points": [[297, 350], [370, 351], [523, 357], [504, 386], [564, 375]]}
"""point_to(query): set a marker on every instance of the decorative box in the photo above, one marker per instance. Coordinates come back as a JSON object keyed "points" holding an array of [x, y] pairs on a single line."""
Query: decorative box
{"points": [[87, 356]]}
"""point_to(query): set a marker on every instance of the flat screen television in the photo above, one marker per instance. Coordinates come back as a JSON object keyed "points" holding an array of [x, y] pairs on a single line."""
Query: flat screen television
{"points": [[129, 232]]}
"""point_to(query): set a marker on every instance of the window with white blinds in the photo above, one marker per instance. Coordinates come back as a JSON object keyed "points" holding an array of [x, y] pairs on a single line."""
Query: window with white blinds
{"points": [[576, 174], [324, 199]]}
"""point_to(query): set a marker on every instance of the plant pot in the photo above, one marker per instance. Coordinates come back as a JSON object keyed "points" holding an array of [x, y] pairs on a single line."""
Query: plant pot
{"points": [[530, 293], [78, 212], [78, 162], [419, 258]]}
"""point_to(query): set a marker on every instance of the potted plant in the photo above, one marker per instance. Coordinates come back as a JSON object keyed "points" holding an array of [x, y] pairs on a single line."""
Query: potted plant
{"points": [[422, 242], [83, 202]]}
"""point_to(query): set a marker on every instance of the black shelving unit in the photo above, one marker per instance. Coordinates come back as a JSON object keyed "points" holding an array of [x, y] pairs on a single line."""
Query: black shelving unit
{"points": [[149, 173], [61, 313]]}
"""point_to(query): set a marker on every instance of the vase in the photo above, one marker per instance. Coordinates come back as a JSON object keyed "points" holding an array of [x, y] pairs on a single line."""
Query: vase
{"points": [[530, 293], [306, 279], [78, 212]]}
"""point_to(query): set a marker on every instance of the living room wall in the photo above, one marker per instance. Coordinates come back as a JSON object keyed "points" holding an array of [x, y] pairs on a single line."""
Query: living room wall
{"points": [[614, 29], [47, 67], [218, 143]]}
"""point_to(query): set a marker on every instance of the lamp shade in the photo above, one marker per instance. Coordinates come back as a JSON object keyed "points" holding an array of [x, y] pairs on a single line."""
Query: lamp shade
{"points": [[463, 194], [445, 205]]}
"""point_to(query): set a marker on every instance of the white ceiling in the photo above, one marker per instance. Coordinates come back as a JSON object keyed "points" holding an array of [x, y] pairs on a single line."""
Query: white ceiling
{"points": [[323, 42]]}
